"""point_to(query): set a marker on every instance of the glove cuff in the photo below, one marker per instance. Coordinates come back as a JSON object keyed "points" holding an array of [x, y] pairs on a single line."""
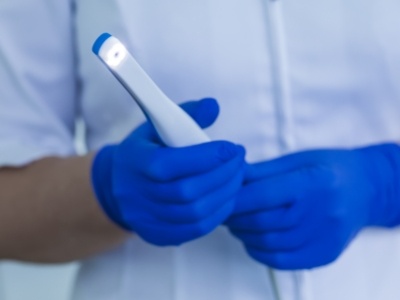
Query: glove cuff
{"points": [[385, 162], [101, 175]]}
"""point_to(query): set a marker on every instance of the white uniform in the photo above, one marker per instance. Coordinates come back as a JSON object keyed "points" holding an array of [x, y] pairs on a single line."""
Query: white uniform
{"points": [[309, 74]]}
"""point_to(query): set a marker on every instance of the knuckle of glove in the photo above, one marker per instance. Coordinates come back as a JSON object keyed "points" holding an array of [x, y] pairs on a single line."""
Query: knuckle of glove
{"points": [[197, 212], [200, 229], [185, 192], [157, 168]]}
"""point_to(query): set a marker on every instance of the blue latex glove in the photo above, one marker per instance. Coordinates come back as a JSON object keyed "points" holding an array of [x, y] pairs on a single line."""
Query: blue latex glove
{"points": [[169, 196], [302, 210]]}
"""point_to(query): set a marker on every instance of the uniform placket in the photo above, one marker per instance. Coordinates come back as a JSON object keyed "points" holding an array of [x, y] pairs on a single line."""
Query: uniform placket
{"points": [[286, 285], [280, 74]]}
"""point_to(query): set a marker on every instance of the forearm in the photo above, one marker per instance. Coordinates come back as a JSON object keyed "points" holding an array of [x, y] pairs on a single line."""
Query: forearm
{"points": [[48, 212]]}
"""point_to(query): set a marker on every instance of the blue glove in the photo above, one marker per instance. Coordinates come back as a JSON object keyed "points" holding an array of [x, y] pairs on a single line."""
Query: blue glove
{"points": [[302, 210], [169, 196]]}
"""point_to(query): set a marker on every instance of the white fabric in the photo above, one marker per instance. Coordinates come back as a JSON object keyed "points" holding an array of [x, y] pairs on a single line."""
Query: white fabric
{"points": [[2, 289], [342, 66], [38, 92]]}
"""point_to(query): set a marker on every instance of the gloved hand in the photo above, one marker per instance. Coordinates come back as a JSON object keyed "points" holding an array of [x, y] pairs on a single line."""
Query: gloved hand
{"points": [[302, 210], [169, 196]]}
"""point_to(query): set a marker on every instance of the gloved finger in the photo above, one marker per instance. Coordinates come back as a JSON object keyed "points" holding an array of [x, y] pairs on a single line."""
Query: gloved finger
{"points": [[203, 208], [278, 166], [204, 112], [267, 194], [281, 218], [285, 240], [176, 234], [312, 255], [284, 189], [169, 164], [191, 188]]}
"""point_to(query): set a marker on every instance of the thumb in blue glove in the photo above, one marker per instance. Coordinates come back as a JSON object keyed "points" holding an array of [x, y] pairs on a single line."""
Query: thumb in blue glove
{"points": [[169, 196], [302, 210]]}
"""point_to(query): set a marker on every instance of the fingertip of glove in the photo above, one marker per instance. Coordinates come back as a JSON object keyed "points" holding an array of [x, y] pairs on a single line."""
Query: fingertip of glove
{"points": [[207, 112], [209, 102], [228, 151]]}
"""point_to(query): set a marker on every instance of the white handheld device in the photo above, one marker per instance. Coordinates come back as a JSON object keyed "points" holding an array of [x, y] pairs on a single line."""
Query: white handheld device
{"points": [[174, 126]]}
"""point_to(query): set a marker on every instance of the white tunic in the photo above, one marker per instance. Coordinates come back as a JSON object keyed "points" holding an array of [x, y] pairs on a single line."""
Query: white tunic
{"points": [[288, 74]]}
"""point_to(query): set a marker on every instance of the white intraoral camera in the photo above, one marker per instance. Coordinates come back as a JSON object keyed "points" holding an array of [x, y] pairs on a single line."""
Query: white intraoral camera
{"points": [[174, 126]]}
